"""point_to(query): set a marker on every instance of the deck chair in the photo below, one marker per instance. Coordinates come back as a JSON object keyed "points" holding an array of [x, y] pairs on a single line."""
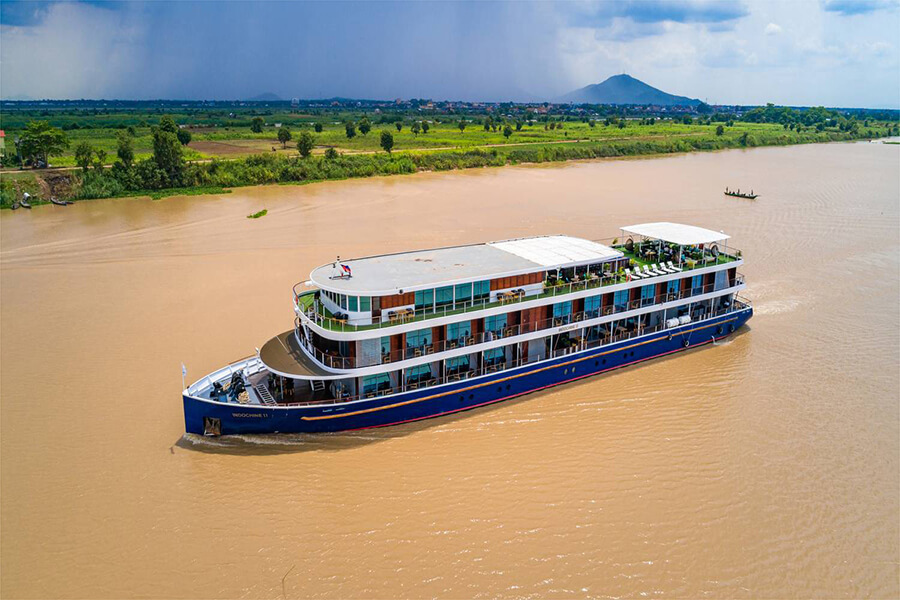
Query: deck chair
{"points": [[635, 275], [648, 272], [658, 270], [673, 268]]}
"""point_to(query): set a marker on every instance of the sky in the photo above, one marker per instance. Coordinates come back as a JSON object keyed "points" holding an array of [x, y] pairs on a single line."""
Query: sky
{"points": [[841, 53]]}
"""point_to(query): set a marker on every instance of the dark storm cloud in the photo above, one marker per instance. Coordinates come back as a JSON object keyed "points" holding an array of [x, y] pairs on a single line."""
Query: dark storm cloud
{"points": [[29, 12], [857, 7], [355, 49], [631, 20], [656, 11], [653, 11]]}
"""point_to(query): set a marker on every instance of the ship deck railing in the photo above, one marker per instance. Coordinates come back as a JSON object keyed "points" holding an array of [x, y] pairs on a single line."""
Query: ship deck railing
{"points": [[334, 361], [306, 300], [738, 303]]}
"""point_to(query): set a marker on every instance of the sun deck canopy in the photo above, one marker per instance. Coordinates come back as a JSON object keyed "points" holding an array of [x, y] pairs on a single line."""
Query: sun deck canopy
{"points": [[423, 269], [676, 233]]}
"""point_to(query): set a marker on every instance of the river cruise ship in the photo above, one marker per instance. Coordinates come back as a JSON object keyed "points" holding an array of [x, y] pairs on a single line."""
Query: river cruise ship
{"points": [[395, 338]]}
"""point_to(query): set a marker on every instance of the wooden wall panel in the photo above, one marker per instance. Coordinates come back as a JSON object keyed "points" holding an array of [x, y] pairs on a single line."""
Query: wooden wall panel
{"points": [[396, 344]]}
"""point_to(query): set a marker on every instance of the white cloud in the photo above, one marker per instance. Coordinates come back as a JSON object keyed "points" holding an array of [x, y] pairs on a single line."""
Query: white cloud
{"points": [[818, 59]]}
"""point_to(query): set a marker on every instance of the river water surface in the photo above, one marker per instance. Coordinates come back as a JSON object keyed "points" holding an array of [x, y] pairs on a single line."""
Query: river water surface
{"points": [[766, 466]]}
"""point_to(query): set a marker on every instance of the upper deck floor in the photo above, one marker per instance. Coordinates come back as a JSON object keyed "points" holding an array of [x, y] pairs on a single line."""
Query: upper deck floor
{"points": [[422, 270]]}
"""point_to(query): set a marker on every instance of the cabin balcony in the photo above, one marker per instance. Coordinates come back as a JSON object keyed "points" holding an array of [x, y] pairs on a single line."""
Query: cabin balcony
{"points": [[555, 284], [330, 359]]}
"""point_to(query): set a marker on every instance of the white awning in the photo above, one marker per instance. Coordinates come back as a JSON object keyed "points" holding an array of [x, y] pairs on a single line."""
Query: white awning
{"points": [[676, 233], [558, 250]]}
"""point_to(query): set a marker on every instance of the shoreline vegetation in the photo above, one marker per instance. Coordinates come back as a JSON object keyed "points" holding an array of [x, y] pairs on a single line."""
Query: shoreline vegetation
{"points": [[316, 153]]}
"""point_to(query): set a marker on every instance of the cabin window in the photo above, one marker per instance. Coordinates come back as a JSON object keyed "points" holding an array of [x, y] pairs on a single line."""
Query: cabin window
{"points": [[592, 306], [458, 332], [697, 283], [365, 304], [495, 324], [563, 311], [386, 346], [376, 383], [418, 339], [674, 286], [620, 299], [648, 293], [417, 374], [353, 304], [443, 296], [494, 356], [344, 301], [481, 290], [457, 364], [425, 299], [463, 293]]}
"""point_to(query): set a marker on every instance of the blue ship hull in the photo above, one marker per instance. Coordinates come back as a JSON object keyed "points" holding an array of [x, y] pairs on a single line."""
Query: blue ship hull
{"points": [[458, 396]]}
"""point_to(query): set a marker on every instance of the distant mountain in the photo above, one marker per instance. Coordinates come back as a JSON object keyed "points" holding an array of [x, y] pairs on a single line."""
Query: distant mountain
{"points": [[267, 97], [625, 89]]}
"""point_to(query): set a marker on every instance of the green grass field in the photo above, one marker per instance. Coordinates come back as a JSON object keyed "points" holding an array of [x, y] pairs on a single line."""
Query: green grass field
{"points": [[237, 141]]}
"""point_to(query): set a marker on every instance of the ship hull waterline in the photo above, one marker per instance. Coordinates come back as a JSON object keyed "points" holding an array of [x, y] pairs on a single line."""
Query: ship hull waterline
{"points": [[436, 401]]}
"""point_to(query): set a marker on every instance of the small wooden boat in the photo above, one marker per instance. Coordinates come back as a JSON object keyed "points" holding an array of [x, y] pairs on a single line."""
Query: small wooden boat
{"points": [[24, 203], [738, 194], [15, 205], [58, 202]]}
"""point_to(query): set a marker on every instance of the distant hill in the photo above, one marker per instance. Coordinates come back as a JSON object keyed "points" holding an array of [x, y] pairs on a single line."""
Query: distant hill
{"points": [[267, 97], [625, 89]]}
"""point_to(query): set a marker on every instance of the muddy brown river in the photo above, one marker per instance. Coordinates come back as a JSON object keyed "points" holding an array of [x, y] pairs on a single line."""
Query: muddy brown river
{"points": [[767, 466]]}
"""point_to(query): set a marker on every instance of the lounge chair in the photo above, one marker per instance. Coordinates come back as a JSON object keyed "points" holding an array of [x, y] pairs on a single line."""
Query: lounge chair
{"points": [[636, 275], [648, 272], [658, 270], [673, 268]]}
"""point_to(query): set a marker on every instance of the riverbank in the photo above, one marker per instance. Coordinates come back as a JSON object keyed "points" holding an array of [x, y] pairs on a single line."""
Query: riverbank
{"points": [[216, 175]]}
